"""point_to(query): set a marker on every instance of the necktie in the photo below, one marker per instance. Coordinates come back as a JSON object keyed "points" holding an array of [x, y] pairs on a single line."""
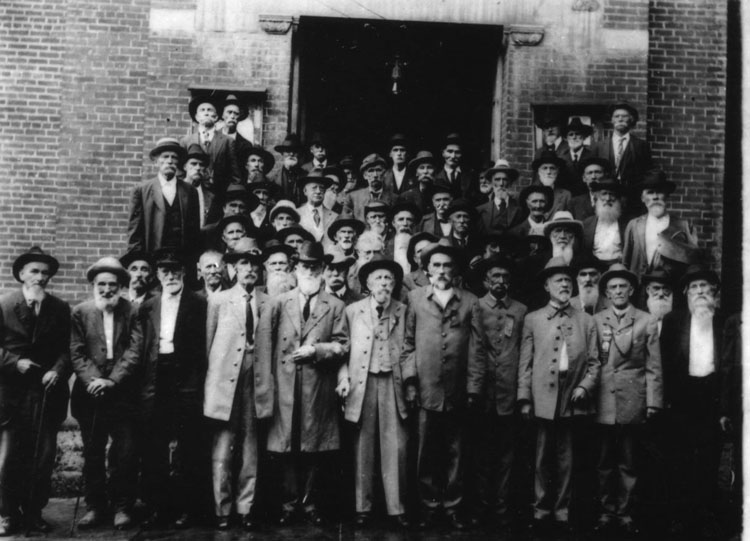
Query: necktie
{"points": [[575, 157], [379, 309], [306, 309], [502, 206], [249, 321], [453, 176], [32, 309], [620, 150], [316, 217]]}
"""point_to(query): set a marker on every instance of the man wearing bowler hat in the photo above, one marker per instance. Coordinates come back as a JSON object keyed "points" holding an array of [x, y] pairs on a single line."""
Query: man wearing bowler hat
{"points": [[630, 392], [455, 173], [105, 395], [290, 170], [372, 170], [313, 215], [168, 343], [233, 112], [397, 179], [164, 211], [300, 343], [337, 266], [230, 398], [443, 366], [373, 389], [223, 169], [502, 211], [35, 353], [558, 376], [603, 232]]}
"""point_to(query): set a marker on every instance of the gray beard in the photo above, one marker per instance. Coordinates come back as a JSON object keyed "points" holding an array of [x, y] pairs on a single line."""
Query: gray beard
{"points": [[279, 282], [105, 305], [608, 215], [589, 296], [309, 285], [659, 307], [566, 252]]}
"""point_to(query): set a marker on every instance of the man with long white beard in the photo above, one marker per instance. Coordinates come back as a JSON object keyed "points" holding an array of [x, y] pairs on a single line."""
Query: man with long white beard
{"points": [[694, 380], [301, 341], [368, 244], [404, 217], [291, 170], [589, 299], [641, 240], [140, 267], [105, 395], [564, 233], [35, 353], [373, 389], [659, 294], [594, 169], [549, 168], [277, 264], [443, 366], [603, 232]]}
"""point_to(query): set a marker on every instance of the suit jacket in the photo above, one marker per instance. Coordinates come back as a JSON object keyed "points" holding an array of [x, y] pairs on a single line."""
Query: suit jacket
{"points": [[46, 343], [286, 179], [431, 224], [538, 377], [362, 333], [225, 348], [636, 159], [306, 220], [502, 326], [357, 200], [560, 202], [589, 231], [223, 167], [580, 206], [147, 213], [189, 350], [444, 348], [631, 377], [280, 332], [573, 173], [634, 242], [309, 166], [466, 185], [88, 354], [491, 220], [389, 181]]}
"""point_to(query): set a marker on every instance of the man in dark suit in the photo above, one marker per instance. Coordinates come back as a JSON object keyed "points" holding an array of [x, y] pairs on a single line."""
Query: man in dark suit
{"points": [[576, 132], [334, 277], [503, 211], [224, 169], [140, 267], [593, 169], [454, 173], [438, 222], [35, 358], [291, 170], [210, 273], [105, 395], [397, 179], [318, 147], [535, 200], [168, 343], [603, 233], [196, 174], [233, 112], [164, 211], [551, 140]]}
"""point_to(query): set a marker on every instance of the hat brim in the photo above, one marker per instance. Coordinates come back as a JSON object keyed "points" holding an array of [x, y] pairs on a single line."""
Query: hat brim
{"points": [[355, 224], [195, 103], [268, 159], [122, 274], [388, 264], [283, 234], [487, 264], [537, 188], [451, 251], [25, 259], [278, 248], [234, 257], [181, 152], [666, 187], [584, 129], [244, 111], [281, 210], [128, 258], [629, 108], [705, 274], [557, 161], [365, 166], [513, 174], [620, 273], [551, 271], [575, 225], [304, 181]]}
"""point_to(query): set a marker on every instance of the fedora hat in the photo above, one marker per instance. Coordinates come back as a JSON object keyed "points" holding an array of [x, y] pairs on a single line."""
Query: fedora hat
{"points": [[268, 160], [136, 255], [609, 184], [502, 165], [549, 194], [397, 140], [618, 270], [198, 100], [623, 105], [381, 262], [283, 234], [547, 120], [273, 246], [440, 186], [231, 99], [604, 163], [234, 218], [416, 239], [495, 261], [109, 264], [656, 180], [246, 247], [375, 205], [338, 259], [659, 275], [453, 139], [291, 143], [576, 125], [699, 272], [168, 258], [407, 206], [264, 184], [442, 246], [563, 218], [345, 220], [317, 176], [311, 252], [196, 152], [423, 156], [35, 255], [556, 265], [336, 174], [318, 138], [284, 206], [461, 205], [588, 261], [548, 156], [371, 160], [240, 192], [167, 143]]}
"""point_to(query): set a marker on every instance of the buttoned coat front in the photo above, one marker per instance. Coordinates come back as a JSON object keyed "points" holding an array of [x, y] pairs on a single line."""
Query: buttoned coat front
{"points": [[444, 348], [634, 255], [362, 336], [225, 348], [538, 372], [280, 332], [502, 325], [631, 376], [492, 220]]}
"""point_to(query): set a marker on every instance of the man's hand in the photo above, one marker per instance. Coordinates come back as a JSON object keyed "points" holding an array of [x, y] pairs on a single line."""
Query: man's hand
{"points": [[342, 389], [99, 385], [412, 397], [24, 365], [304, 354], [651, 412], [49, 379], [579, 395], [526, 411], [726, 424]]}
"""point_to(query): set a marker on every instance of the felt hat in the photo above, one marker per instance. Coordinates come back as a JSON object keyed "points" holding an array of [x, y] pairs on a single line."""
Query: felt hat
{"points": [[136, 255], [416, 239], [196, 152], [547, 120], [168, 258], [167, 143], [311, 252], [381, 262], [609, 184], [264, 184], [371, 160], [273, 246], [453, 139], [442, 246], [556, 265], [268, 160], [336, 174], [623, 105], [235, 192], [337, 259], [495, 261], [656, 180], [199, 100], [504, 166], [548, 156], [461, 205], [396, 140], [537, 188], [408, 206], [576, 125], [317, 176], [246, 247], [283, 234], [604, 163], [375, 205], [111, 265], [35, 255], [284, 206], [231, 99], [657, 275], [618, 270], [291, 143], [699, 272], [345, 220], [423, 156], [563, 218]]}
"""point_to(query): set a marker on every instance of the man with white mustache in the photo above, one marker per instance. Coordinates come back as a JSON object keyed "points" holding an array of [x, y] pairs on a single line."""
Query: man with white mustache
{"points": [[372, 387], [603, 232], [641, 241], [659, 294], [105, 395], [695, 383], [549, 169], [564, 233], [589, 299]]}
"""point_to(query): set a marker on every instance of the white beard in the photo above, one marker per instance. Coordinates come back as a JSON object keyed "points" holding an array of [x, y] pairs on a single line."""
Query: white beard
{"points": [[382, 295], [659, 307], [35, 293], [279, 282], [608, 215], [566, 252], [104, 304], [309, 285], [589, 296], [400, 245]]}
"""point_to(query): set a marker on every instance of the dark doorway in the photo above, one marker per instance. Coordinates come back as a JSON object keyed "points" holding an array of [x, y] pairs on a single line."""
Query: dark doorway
{"points": [[447, 84]]}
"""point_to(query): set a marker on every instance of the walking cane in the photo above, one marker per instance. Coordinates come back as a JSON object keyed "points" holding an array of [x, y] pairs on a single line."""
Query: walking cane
{"points": [[82, 480], [37, 445]]}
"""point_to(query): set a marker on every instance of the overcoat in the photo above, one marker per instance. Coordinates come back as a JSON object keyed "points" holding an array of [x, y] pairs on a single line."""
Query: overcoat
{"points": [[636, 158], [634, 242], [357, 200], [225, 169]]}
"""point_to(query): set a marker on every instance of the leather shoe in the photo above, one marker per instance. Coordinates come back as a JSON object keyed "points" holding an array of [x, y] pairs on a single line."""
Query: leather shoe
{"points": [[286, 518], [248, 524], [400, 522], [122, 520], [38, 524], [456, 522], [314, 518], [154, 520], [90, 519], [361, 520], [222, 523], [183, 522]]}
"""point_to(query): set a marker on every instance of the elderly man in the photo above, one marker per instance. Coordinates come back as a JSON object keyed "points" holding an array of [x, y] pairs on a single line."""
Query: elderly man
{"points": [[105, 395], [502, 211], [589, 298], [237, 201], [536, 200], [552, 140], [168, 343], [255, 164], [210, 273], [373, 389], [164, 212], [437, 223], [558, 375], [283, 214], [376, 219], [294, 236], [368, 244], [695, 380], [463, 216], [593, 170], [337, 266], [659, 294], [418, 275], [291, 170], [35, 353], [404, 218], [421, 169], [397, 179], [230, 400], [576, 132], [224, 169], [232, 228], [550, 168], [140, 267], [232, 113], [313, 215], [277, 264], [301, 341], [455, 173], [260, 218], [641, 243], [372, 170], [443, 365], [603, 232], [196, 174], [343, 234], [564, 233], [318, 147], [502, 320], [630, 392]]}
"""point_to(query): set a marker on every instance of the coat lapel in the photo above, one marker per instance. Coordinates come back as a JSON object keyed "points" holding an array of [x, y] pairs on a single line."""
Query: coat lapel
{"points": [[157, 196], [23, 313], [156, 318], [320, 310], [293, 309], [43, 319], [623, 336]]}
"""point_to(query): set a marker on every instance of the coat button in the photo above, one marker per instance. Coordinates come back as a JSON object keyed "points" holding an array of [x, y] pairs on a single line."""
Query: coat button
{"points": [[444, 335], [444, 346], [234, 364], [232, 380], [242, 334]]}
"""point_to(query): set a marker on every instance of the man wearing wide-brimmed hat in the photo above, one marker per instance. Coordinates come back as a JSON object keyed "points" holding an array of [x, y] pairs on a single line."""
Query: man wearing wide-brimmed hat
{"points": [[233, 112], [278, 261], [223, 169], [588, 271], [630, 392], [260, 219], [34, 346], [536, 201], [230, 394], [343, 234], [373, 389], [255, 163], [105, 395], [164, 211], [372, 170], [641, 241], [318, 147], [421, 169], [337, 267], [443, 365], [576, 132], [658, 286], [397, 179], [437, 222], [552, 141], [565, 235], [290, 170], [313, 215], [603, 232], [502, 211], [558, 376], [300, 343], [238, 201]]}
